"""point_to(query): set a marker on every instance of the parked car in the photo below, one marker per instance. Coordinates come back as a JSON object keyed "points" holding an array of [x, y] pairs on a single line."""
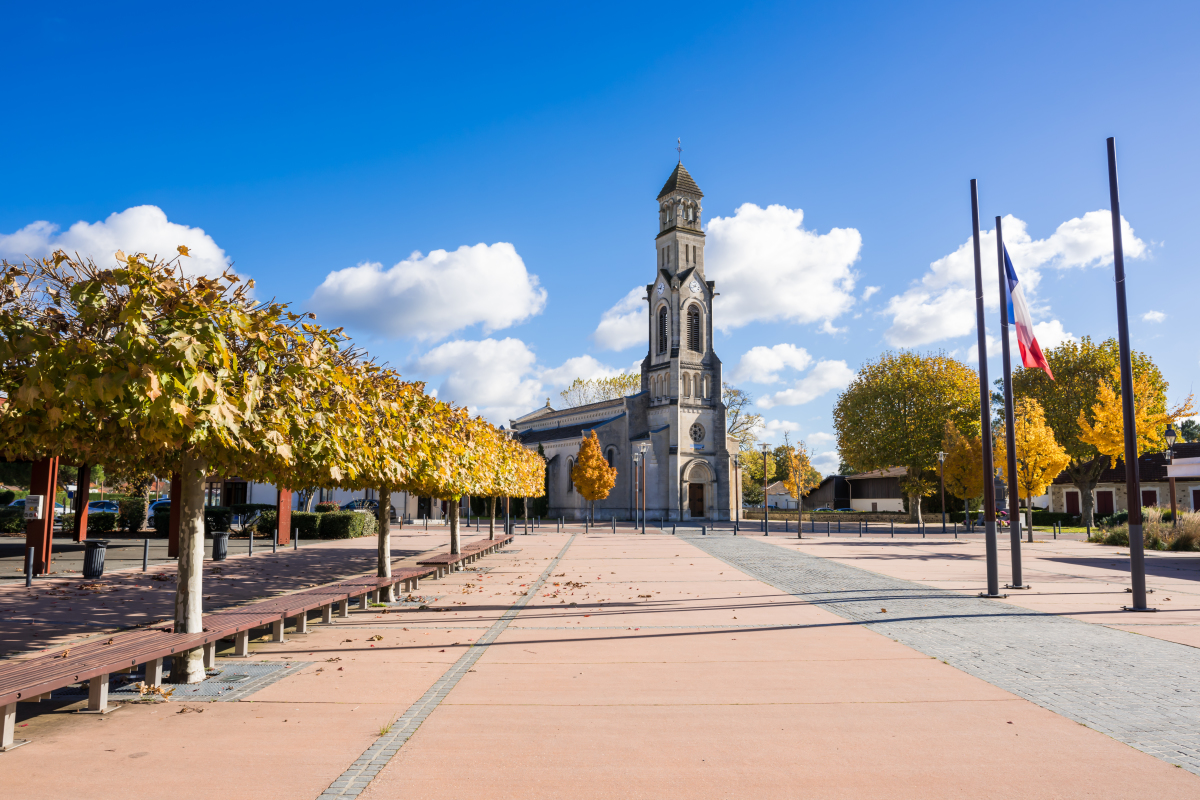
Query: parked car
{"points": [[59, 508], [103, 507], [367, 507], [822, 508], [845, 509], [165, 504]]}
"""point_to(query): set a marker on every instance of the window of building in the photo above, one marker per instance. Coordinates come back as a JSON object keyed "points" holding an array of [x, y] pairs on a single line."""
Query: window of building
{"points": [[662, 329], [687, 385], [610, 456], [693, 328], [705, 394], [570, 469]]}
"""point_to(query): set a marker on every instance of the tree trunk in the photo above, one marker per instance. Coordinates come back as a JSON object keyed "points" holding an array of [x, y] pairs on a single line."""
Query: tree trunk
{"points": [[309, 501], [1029, 519], [188, 667], [383, 529], [1085, 476], [492, 518], [453, 509], [914, 507]]}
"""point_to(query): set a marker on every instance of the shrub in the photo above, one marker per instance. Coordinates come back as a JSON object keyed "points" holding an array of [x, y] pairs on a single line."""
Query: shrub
{"points": [[1051, 517], [162, 521], [246, 509], [12, 520], [217, 518], [307, 523], [326, 507], [132, 515], [102, 523], [7, 496], [267, 521], [346, 525]]}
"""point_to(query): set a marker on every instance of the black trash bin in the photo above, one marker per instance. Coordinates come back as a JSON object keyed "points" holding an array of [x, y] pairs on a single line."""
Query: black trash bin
{"points": [[220, 545], [93, 557]]}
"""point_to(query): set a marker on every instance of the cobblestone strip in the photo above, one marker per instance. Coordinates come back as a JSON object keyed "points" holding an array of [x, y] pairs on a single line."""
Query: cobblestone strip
{"points": [[1139, 690], [352, 782]]}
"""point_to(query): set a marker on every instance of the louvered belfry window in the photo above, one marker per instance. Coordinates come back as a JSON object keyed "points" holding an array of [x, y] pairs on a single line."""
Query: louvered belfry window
{"points": [[693, 327], [662, 329]]}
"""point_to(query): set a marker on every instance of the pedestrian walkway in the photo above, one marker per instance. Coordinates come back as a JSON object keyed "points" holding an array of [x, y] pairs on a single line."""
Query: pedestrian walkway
{"points": [[1138, 690]]}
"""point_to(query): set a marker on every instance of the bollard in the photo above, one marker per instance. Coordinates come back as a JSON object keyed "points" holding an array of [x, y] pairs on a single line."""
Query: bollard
{"points": [[921, 526], [1088, 530], [839, 525], [146, 556], [860, 529], [704, 530], [826, 529], [672, 529], [252, 541], [275, 542], [614, 526], [295, 538], [1055, 530], [893, 528], [29, 568]]}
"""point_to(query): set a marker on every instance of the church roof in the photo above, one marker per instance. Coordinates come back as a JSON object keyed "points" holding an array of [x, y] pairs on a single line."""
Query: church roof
{"points": [[565, 432], [680, 181]]}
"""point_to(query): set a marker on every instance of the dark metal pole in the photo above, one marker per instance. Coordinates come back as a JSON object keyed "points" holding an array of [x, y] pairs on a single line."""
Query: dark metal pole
{"points": [[29, 567], [643, 483], [1133, 488], [1010, 433], [766, 506], [146, 555], [942, 488], [989, 484]]}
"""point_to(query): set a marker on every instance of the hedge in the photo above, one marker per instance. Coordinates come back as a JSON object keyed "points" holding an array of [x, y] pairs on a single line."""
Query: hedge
{"points": [[7, 496], [102, 522], [346, 525], [12, 520], [216, 518], [132, 515], [244, 509], [325, 507], [162, 520]]}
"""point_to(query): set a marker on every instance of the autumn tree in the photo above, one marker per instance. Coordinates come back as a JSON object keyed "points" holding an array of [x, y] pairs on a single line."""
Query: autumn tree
{"points": [[963, 468], [142, 368], [1080, 368], [801, 477], [582, 392], [592, 476], [752, 466], [1107, 432], [740, 424], [1040, 458], [894, 413]]}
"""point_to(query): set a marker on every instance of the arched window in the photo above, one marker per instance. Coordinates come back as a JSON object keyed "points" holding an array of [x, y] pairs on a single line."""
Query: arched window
{"points": [[662, 329], [570, 480], [611, 456], [687, 385], [705, 387], [693, 328]]}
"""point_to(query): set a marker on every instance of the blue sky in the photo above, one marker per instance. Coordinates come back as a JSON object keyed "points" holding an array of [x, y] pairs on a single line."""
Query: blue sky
{"points": [[304, 143]]}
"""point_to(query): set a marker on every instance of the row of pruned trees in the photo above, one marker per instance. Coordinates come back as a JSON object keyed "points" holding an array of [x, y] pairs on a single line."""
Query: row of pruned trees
{"points": [[903, 408], [141, 367]]}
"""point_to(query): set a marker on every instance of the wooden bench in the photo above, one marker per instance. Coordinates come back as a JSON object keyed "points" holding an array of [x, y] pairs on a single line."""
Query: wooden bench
{"points": [[33, 679]]}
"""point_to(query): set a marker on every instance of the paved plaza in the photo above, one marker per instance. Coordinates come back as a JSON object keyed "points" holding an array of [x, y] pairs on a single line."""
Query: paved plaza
{"points": [[598, 665]]}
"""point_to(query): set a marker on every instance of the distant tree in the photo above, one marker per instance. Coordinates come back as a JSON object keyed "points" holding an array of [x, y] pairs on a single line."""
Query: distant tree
{"points": [[752, 475], [963, 468], [893, 414], [1040, 458], [1107, 434], [1190, 430], [801, 477], [596, 390], [540, 506], [739, 423]]}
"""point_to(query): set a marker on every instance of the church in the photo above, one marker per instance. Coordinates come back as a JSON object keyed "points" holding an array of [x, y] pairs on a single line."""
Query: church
{"points": [[678, 418]]}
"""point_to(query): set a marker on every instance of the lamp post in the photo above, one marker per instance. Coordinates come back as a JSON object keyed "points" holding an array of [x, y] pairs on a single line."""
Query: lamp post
{"points": [[941, 457], [637, 488], [1171, 436], [766, 506], [642, 457], [737, 477]]}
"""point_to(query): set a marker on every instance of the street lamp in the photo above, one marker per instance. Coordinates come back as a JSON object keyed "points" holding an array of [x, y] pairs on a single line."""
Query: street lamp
{"points": [[941, 457], [766, 506], [642, 448], [1171, 436], [737, 478]]}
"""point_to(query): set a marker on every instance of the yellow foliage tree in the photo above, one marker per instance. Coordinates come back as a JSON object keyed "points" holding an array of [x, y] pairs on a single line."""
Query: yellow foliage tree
{"points": [[592, 476], [1107, 434], [1040, 458], [963, 468], [802, 478]]}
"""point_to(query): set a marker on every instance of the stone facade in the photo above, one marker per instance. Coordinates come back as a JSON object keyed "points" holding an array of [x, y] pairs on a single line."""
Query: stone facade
{"points": [[678, 414]]}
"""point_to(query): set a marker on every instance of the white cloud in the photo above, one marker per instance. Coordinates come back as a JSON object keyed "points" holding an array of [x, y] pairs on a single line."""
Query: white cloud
{"points": [[625, 324], [869, 292], [584, 367], [429, 297], [824, 377], [492, 377], [1048, 334], [1151, 316], [500, 378], [768, 267], [763, 364], [140, 229], [826, 462], [773, 429], [942, 304], [820, 438]]}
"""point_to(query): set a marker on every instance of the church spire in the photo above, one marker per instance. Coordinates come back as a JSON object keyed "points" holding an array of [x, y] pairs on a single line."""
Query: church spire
{"points": [[680, 181]]}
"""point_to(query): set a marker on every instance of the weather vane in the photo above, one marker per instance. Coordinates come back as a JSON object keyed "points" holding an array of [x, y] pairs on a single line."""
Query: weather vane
{"points": [[679, 147]]}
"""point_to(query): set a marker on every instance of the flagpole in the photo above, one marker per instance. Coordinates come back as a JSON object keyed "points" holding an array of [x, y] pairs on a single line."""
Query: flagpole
{"points": [[1010, 429], [985, 417], [1133, 489]]}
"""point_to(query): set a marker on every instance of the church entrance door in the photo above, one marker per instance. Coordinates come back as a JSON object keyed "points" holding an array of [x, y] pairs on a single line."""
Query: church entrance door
{"points": [[696, 500]]}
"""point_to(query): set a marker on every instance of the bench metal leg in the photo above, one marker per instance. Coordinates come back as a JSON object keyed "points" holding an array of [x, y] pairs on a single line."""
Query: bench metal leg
{"points": [[345, 611], [277, 631], [154, 672], [241, 644], [302, 622], [210, 655], [8, 728], [327, 614], [98, 694]]}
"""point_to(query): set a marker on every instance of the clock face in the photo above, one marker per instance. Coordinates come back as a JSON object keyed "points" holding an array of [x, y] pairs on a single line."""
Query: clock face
{"points": [[697, 432], [694, 286], [661, 287]]}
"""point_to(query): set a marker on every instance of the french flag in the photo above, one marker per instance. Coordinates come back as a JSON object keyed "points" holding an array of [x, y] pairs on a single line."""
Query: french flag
{"points": [[1018, 317]]}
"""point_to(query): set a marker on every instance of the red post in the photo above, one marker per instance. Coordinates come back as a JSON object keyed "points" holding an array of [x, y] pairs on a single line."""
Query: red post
{"points": [[176, 500], [83, 493], [39, 533], [283, 511]]}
